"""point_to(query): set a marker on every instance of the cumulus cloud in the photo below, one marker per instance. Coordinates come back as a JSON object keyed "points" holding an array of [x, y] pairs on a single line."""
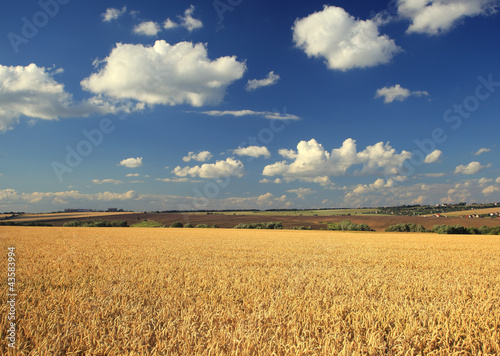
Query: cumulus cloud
{"points": [[433, 157], [187, 21], [490, 190], [113, 14], [254, 84], [481, 151], [471, 168], [33, 92], [107, 181], [301, 192], [497, 180], [10, 198], [200, 156], [175, 180], [342, 40], [133, 175], [397, 92], [147, 28], [377, 185], [275, 181], [252, 151], [164, 74], [434, 17], [131, 162], [227, 168], [311, 162], [483, 181], [271, 115]]}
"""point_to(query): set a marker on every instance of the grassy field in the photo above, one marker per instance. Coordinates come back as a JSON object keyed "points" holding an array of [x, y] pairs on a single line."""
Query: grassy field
{"points": [[329, 212], [123, 291], [148, 223]]}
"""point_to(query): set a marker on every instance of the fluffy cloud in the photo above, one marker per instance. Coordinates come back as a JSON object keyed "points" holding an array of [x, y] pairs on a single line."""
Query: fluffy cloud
{"points": [[397, 92], [275, 181], [342, 40], [301, 192], [433, 157], [107, 181], [259, 83], [253, 151], [311, 162], [200, 156], [147, 28], [481, 151], [490, 190], [10, 199], [471, 168], [131, 162], [113, 14], [187, 21], [33, 92], [164, 74], [227, 168], [271, 115], [434, 17], [377, 185]]}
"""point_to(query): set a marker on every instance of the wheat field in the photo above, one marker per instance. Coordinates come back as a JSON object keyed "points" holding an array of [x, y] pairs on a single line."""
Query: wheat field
{"points": [[124, 291]]}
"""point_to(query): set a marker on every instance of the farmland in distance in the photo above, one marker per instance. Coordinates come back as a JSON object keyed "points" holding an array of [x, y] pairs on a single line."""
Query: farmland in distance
{"points": [[146, 291]]}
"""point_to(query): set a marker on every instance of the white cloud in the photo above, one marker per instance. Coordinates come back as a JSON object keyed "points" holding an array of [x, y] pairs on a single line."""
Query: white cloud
{"points": [[33, 92], [200, 156], [265, 114], [187, 21], [174, 180], [227, 168], [301, 192], [481, 151], [133, 175], [168, 24], [106, 181], [253, 151], [164, 74], [342, 40], [497, 180], [471, 168], [311, 162], [483, 181], [275, 181], [147, 28], [10, 199], [131, 162], [259, 83], [113, 14], [434, 175], [490, 190], [433, 157], [434, 17], [397, 92], [377, 185]]}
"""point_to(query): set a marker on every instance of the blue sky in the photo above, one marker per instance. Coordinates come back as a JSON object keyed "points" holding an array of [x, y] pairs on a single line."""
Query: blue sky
{"points": [[248, 104]]}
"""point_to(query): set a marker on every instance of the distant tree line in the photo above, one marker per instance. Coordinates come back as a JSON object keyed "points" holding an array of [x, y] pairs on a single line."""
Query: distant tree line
{"points": [[446, 229], [347, 225], [96, 223]]}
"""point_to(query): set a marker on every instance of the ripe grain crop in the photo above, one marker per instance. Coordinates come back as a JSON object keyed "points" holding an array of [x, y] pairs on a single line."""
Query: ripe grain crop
{"points": [[143, 291]]}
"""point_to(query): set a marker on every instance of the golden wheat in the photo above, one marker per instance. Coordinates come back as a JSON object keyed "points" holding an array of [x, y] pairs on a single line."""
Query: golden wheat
{"points": [[123, 291]]}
